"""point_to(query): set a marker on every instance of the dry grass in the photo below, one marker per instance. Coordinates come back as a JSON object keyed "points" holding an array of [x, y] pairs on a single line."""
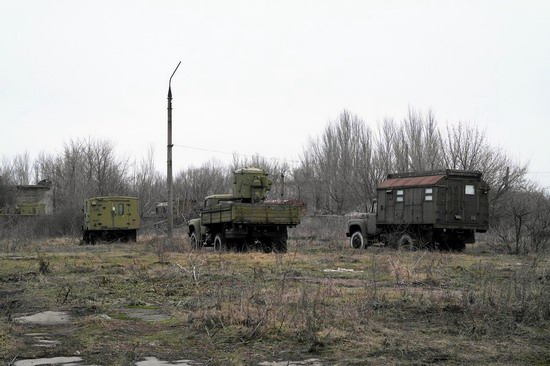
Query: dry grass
{"points": [[322, 300]]}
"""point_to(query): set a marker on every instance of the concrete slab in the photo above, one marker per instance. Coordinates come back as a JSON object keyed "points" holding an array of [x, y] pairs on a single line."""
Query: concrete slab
{"points": [[45, 318], [153, 361], [65, 361]]}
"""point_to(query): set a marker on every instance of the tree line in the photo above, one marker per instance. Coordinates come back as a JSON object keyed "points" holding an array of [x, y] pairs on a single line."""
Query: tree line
{"points": [[337, 174]]}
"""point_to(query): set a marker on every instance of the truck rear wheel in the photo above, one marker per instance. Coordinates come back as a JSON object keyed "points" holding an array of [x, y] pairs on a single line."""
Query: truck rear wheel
{"points": [[85, 238], [280, 246], [219, 243], [357, 241], [406, 242], [457, 245]]}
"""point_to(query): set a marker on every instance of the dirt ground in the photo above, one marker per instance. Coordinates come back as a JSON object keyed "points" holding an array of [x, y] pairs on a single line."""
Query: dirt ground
{"points": [[322, 303]]}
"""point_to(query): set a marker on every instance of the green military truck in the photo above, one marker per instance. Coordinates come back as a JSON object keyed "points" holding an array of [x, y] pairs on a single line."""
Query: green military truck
{"points": [[244, 219], [110, 219], [434, 209]]}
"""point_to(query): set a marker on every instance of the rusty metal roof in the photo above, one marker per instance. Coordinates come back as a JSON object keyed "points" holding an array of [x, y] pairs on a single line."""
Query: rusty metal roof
{"points": [[411, 182]]}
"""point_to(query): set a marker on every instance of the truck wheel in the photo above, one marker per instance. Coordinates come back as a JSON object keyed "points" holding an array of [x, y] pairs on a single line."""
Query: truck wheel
{"points": [[406, 242], [357, 240], [195, 245], [280, 247], [457, 245], [240, 246], [219, 243], [393, 240]]}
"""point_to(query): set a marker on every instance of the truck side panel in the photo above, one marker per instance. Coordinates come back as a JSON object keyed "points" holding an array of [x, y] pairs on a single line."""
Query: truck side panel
{"points": [[222, 213], [111, 213], [456, 202], [248, 213], [465, 205], [266, 214]]}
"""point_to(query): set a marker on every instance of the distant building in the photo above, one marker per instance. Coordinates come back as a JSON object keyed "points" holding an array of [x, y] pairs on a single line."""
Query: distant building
{"points": [[27, 199]]}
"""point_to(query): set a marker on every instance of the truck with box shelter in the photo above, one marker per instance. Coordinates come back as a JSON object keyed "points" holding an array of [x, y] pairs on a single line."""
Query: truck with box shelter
{"points": [[434, 209], [110, 219]]}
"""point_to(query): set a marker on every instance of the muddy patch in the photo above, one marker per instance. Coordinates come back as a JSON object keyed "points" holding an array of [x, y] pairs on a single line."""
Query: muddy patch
{"points": [[150, 315], [308, 362], [153, 361], [78, 361]]}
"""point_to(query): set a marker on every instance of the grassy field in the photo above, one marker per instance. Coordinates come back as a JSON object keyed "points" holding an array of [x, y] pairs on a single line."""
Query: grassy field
{"points": [[320, 300]]}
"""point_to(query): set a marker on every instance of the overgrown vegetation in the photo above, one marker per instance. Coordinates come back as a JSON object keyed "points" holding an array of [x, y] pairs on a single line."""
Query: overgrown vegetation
{"points": [[321, 300], [338, 173]]}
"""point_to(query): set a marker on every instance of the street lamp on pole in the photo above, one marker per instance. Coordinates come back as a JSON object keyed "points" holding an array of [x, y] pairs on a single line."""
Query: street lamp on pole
{"points": [[170, 213]]}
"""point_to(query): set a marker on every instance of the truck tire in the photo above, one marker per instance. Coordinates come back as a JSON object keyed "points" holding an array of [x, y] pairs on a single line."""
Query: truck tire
{"points": [[457, 245], [219, 243], [267, 247], [280, 247], [460, 246], [357, 241], [193, 240], [406, 242], [86, 238]]}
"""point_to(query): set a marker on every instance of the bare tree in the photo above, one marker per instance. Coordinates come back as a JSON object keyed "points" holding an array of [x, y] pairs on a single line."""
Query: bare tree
{"points": [[106, 171], [413, 145], [22, 169], [85, 168], [423, 140], [340, 162], [147, 184], [524, 224], [16, 171], [193, 184]]}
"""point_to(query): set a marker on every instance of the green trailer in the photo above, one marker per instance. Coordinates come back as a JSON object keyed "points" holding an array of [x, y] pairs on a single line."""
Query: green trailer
{"points": [[244, 219], [110, 219]]}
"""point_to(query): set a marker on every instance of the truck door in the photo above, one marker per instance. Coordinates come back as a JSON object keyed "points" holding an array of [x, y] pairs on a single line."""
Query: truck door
{"points": [[454, 201], [385, 209], [119, 214], [471, 203], [399, 206]]}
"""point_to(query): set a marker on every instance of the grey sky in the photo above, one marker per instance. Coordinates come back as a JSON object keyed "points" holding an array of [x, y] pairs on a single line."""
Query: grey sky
{"points": [[263, 76]]}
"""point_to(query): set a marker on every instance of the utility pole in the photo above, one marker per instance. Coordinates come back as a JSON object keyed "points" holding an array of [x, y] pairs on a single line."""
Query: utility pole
{"points": [[282, 186], [170, 212]]}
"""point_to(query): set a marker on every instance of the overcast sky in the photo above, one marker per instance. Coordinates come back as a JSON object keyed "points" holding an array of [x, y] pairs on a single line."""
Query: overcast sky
{"points": [[261, 77]]}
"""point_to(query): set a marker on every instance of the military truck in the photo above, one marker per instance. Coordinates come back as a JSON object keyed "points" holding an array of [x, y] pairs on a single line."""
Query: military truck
{"points": [[243, 219], [110, 219], [434, 209]]}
